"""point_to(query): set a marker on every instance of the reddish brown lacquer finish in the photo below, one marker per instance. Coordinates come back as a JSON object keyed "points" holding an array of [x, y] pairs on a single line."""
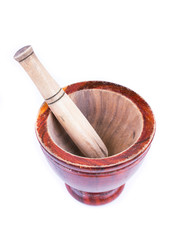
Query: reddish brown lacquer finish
{"points": [[125, 123]]}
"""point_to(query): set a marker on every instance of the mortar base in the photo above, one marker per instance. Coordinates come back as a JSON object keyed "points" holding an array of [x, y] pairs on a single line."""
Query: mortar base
{"points": [[95, 198]]}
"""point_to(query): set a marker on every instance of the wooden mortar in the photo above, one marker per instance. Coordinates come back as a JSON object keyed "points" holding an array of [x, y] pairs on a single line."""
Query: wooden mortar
{"points": [[122, 119]]}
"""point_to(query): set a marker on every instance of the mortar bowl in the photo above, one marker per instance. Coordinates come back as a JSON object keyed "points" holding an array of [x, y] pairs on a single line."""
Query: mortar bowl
{"points": [[125, 123]]}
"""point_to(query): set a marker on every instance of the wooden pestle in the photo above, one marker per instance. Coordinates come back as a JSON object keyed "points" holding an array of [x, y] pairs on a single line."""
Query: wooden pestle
{"points": [[64, 109]]}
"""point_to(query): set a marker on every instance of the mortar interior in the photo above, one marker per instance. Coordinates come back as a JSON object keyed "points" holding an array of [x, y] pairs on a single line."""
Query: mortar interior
{"points": [[117, 120]]}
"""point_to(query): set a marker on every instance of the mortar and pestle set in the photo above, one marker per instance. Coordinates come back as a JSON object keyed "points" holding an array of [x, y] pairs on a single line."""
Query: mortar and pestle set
{"points": [[94, 134]]}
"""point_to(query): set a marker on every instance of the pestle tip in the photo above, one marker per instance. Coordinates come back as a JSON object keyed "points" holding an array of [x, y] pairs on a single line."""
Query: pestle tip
{"points": [[23, 53]]}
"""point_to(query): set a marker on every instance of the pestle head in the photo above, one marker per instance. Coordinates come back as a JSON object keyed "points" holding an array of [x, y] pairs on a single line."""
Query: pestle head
{"points": [[23, 53]]}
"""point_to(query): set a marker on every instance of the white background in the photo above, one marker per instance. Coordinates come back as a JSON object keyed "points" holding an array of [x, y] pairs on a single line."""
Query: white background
{"points": [[126, 42]]}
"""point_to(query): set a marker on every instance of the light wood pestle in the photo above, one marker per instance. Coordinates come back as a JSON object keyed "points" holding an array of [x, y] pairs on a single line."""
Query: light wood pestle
{"points": [[64, 109]]}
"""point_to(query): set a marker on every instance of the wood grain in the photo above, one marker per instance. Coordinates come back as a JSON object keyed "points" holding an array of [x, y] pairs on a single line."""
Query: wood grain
{"points": [[115, 118]]}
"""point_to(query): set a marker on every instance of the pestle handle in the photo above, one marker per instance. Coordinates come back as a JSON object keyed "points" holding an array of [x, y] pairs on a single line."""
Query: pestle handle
{"points": [[64, 109]]}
